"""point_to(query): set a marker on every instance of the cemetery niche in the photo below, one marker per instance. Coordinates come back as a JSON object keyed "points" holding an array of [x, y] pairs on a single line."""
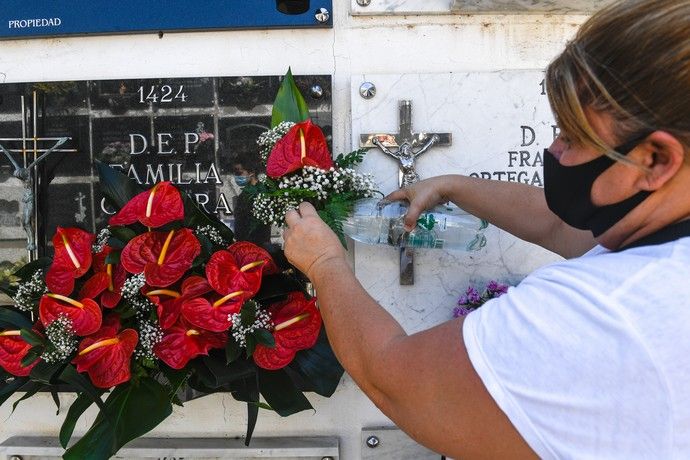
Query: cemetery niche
{"points": [[199, 133]]}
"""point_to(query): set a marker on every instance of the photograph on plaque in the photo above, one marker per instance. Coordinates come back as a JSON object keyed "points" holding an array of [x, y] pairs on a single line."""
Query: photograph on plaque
{"points": [[198, 133]]}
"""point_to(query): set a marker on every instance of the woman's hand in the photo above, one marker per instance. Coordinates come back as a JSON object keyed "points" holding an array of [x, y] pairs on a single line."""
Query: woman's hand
{"points": [[421, 195], [309, 242]]}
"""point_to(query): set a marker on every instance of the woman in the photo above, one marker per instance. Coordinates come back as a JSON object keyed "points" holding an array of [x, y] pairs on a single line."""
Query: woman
{"points": [[586, 358]]}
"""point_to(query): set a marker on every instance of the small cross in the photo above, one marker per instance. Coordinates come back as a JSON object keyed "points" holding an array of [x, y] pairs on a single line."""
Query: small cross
{"points": [[408, 146]]}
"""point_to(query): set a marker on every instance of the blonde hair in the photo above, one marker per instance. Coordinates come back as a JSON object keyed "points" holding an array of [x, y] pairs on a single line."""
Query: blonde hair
{"points": [[631, 60]]}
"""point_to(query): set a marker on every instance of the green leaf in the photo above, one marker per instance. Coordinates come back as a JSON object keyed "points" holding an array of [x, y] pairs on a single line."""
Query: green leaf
{"points": [[280, 393], [30, 389], [195, 216], [70, 375], [232, 350], [223, 374], [117, 188], [8, 388], [123, 234], [251, 345], [351, 159], [113, 258], [132, 410], [248, 313], [47, 373], [277, 285], [32, 338], [264, 337], [76, 410], [318, 367], [13, 319], [32, 355], [289, 104], [27, 271], [56, 400], [176, 379]]}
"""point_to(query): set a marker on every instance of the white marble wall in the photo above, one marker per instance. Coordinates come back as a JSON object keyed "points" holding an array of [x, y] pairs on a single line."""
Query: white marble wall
{"points": [[500, 122], [357, 46], [401, 7]]}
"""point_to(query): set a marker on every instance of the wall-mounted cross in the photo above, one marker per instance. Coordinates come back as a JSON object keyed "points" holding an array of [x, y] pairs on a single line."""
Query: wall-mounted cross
{"points": [[32, 155], [405, 146]]}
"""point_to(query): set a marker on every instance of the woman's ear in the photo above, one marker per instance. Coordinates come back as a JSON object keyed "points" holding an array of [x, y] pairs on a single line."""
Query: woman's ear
{"points": [[663, 155]]}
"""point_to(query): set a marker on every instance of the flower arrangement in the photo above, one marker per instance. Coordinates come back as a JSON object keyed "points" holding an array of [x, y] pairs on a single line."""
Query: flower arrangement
{"points": [[472, 299], [161, 302], [299, 167]]}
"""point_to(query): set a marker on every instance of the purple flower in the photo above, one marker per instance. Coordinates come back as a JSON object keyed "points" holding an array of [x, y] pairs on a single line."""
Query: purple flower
{"points": [[472, 295], [471, 300], [461, 311], [496, 289]]}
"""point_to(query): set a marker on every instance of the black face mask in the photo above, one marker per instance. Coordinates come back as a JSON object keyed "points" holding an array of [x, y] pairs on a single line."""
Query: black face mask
{"points": [[568, 191]]}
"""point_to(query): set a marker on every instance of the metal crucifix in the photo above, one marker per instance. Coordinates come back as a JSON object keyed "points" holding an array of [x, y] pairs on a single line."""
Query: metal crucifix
{"points": [[405, 146], [25, 173]]}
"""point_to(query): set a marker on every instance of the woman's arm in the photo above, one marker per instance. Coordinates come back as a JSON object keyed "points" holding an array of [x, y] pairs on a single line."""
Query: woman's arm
{"points": [[425, 382], [519, 209]]}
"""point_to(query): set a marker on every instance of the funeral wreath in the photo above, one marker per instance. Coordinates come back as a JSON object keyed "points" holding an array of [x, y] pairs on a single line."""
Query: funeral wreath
{"points": [[161, 307]]}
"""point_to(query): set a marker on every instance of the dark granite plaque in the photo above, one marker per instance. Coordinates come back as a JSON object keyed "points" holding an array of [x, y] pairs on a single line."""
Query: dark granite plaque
{"points": [[196, 132]]}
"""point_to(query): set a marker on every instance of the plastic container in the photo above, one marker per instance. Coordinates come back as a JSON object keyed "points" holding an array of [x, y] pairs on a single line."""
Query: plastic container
{"points": [[443, 227]]}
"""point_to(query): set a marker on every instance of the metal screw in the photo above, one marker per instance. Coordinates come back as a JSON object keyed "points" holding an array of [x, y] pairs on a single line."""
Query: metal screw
{"points": [[327, 458], [16, 457], [316, 91], [372, 442], [367, 90], [322, 15], [363, 2]]}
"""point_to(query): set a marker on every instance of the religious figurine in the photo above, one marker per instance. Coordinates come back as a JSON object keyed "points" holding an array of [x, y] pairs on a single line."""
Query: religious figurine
{"points": [[27, 178], [406, 156]]}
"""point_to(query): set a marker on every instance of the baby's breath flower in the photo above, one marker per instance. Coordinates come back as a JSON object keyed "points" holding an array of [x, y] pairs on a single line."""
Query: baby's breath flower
{"points": [[30, 291], [150, 334], [61, 340], [132, 285], [240, 330], [268, 139], [212, 234], [101, 240]]}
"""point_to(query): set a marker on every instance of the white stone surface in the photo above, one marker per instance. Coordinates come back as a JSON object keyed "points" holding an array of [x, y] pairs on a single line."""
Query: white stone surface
{"points": [[355, 46], [485, 112], [405, 7]]}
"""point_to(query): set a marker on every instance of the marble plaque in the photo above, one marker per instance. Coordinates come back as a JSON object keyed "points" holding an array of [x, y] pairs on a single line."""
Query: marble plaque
{"points": [[276, 448], [403, 7], [392, 443], [500, 124], [195, 132]]}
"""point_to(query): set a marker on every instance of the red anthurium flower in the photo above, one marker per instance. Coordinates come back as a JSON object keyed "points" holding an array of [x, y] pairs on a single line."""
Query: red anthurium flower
{"points": [[13, 348], [163, 257], [303, 145], [158, 206], [213, 314], [107, 280], [85, 314], [169, 302], [246, 253], [71, 260], [297, 323], [183, 342], [106, 355], [239, 268]]}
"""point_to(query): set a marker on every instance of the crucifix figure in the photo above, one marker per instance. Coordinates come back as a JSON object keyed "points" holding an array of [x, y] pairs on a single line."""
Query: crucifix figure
{"points": [[405, 146], [406, 156], [25, 174]]}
